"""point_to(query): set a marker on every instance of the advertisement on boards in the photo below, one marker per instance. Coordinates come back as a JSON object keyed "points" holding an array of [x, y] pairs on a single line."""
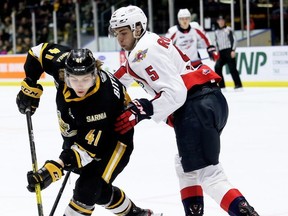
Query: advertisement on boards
{"points": [[258, 66], [12, 67]]}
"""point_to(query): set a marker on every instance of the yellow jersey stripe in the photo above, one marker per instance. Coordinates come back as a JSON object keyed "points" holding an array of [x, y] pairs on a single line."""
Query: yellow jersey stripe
{"points": [[114, 160], [79, 208]]}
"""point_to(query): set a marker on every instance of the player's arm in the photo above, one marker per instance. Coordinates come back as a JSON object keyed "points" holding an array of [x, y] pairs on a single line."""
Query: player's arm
{"points": [[122, 75], [33, 64], [170, 32], [211, 49], [164, 79], [232, 39], [31, 91]]}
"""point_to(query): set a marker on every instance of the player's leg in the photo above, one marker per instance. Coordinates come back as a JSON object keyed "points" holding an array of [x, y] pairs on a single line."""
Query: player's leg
{"points": [[190, 190], [188, 130], [92, 189], [120, 204], [94, 186], [194, 125], [217, 186], [212, 177]]}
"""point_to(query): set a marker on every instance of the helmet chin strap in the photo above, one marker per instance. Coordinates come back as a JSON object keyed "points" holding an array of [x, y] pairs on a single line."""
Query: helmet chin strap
{"points": [[138, 31], [137, 34]]}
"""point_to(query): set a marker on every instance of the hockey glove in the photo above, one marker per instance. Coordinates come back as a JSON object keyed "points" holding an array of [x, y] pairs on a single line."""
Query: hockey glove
{"points": [[29, 95], [212, 52], [136, 111], [50, 172]]}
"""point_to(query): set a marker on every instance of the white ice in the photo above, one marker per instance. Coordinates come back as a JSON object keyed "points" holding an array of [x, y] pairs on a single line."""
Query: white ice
{"points": [[253, 154]]}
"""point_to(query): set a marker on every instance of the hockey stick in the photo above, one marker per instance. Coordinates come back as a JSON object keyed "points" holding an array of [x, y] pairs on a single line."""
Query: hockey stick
{"points": [[200, 59], [59, 193], [34, 159]]}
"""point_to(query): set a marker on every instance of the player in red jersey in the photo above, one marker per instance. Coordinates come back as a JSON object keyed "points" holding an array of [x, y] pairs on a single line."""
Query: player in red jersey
{"points": [[187, 95]]}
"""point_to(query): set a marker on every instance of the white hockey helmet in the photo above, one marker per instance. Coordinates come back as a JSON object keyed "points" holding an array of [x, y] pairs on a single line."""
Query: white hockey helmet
{"points": [[183, 13], [128, 16]]}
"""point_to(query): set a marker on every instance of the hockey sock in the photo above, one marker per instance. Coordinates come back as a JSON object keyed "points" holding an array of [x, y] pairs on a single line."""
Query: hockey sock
{"points": [[231, 200], [192, 199], [119, 204], [76, 208]]}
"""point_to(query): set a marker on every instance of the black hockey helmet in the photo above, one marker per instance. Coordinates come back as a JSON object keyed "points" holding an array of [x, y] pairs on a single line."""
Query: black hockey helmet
{"points": [[80, 62]]}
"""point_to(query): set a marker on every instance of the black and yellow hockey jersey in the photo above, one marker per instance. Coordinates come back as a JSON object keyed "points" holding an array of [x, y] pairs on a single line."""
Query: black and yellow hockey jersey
{"points": [[46, 57], [89, 121]]}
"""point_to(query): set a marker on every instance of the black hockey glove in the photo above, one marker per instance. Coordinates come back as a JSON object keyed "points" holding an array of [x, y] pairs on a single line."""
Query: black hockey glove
{"points": [[50, 172], [29, 95], [136, 111], [212, 52]]}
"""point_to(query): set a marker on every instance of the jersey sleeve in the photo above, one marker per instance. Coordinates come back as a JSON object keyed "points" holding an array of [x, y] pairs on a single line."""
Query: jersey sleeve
{"points": [[232, 39], [171, 32], [161, 74], [203, 37], [32, 66], [122, 75]]}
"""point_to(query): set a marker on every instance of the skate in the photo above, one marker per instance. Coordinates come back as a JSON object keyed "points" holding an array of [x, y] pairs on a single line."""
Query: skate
{"points": [[246, 209], [136, 211]]}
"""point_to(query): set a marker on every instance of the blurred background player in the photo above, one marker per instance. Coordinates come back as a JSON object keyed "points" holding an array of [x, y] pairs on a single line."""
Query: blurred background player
{"points": [[189, 36], [226, 42], [191, 98], [88, 101]]}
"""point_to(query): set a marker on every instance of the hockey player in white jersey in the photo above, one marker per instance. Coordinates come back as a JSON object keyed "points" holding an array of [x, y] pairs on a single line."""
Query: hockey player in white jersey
{"points": [[187, 98], [189, 36]]}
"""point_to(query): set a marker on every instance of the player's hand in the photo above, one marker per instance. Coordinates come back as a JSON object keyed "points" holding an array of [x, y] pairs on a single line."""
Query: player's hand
{"points": [[50, 172], [212, 52], [29, 96], [136, 111]]}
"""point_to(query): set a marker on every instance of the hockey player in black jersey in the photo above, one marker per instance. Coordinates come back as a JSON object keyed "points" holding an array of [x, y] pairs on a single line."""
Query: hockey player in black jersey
{"points": [[88, 102]]}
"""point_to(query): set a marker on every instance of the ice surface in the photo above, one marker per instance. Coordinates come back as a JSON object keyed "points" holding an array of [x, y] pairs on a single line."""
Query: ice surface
{"points": [[253, 154]]}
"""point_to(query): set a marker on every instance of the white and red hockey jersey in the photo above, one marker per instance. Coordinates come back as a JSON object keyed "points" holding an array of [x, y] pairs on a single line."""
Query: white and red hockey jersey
{"points": [[189, 40], [164, 72]]}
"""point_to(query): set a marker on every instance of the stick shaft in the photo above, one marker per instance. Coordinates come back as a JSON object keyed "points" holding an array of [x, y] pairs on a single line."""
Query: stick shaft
{"points": [[200, 59], [60, 193], [34, 160]]}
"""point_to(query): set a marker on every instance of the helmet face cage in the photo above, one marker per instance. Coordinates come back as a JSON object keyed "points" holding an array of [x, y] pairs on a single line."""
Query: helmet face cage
{"points": [[79, 62], [128, 16]]}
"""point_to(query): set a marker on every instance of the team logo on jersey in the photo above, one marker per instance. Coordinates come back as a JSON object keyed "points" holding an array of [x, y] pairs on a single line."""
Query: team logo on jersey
{"points": [[140, 55], [65, 127], [205, 71]]}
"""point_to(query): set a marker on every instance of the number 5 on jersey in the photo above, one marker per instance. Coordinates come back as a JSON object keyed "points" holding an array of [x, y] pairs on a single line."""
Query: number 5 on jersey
{"points": [[152, 73]]}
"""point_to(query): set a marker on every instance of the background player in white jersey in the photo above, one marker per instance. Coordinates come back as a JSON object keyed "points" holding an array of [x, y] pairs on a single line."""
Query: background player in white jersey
{"points": [[191, 97], [189, 36]]}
